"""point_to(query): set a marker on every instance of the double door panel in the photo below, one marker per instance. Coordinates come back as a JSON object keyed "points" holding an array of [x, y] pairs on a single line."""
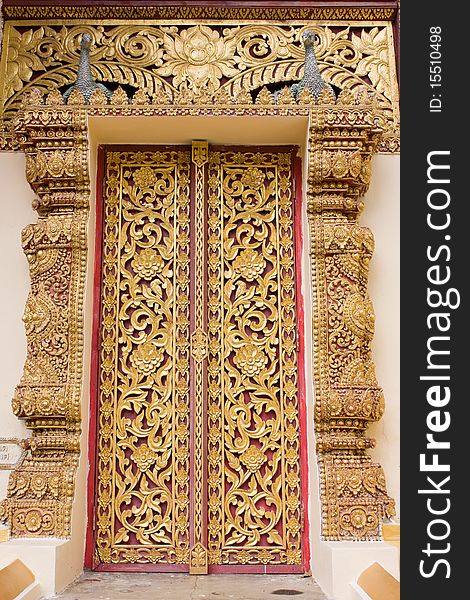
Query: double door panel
{"points": [[198, 436]]}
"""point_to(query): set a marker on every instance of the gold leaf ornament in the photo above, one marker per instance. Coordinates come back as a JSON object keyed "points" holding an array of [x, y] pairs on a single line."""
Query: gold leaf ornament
{"points": [[144, 457], [98, 98], [250, 359], [253, 178], [253, 458], [147, 357], [22, 59], [249, 264], [375, 61], [198, 55], [140, 97], [359, 316], [119, 97], [264, 97]]}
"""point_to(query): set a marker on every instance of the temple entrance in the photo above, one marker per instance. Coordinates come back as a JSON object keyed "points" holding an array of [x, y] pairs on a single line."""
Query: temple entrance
{"points": [[198, 413]]}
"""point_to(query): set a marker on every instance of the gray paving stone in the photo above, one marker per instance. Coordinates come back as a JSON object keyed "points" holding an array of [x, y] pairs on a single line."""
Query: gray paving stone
{"points": [[165, 586]]}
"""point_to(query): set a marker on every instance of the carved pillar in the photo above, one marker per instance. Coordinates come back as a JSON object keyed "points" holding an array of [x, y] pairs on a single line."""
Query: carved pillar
{"points": [[40, 491], [347, 395]]}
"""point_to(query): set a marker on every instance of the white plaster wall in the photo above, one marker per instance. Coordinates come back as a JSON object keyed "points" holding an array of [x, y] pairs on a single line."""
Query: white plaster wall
{"points": [[382, 215], [15, 207]]}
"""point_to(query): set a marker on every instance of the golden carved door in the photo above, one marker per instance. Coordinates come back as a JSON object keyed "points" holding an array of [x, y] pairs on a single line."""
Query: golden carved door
{"points": [[198, 443]]}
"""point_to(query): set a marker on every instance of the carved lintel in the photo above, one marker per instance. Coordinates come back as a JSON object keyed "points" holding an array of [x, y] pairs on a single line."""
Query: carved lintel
{"points": [[224, 71]]}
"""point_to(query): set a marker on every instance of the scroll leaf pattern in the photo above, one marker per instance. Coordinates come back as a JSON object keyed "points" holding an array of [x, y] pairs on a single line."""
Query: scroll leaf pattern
{"points": [[254, 483], [198, 60], [254, 498], [143, 473], [372, 46]]}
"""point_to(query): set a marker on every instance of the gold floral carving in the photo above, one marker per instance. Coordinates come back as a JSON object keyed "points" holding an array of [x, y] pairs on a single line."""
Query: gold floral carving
{"points": [[254, 474], [143, 469], [347, 395], [243, 371], [202, 64], [41, 489], [198, 55]]}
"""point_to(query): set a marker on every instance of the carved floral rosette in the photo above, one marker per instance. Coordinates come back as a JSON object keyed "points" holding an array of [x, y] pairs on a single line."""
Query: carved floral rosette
{"points": [[347, 394], [41, 489]]}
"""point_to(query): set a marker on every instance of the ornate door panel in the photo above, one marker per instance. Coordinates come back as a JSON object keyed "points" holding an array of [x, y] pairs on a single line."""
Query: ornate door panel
{"points": [[198, 444], [254, 498], [142, 509]]}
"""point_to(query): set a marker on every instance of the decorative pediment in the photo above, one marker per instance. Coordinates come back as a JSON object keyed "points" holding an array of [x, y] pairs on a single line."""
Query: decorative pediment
{"points": [[203, 64]]}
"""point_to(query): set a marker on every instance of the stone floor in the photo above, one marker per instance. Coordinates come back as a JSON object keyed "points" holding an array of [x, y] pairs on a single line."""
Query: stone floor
{"points": [[160, 586]]}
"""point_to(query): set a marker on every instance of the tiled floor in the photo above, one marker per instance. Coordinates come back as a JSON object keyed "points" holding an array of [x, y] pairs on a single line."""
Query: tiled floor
{"points": [[162, 586]]}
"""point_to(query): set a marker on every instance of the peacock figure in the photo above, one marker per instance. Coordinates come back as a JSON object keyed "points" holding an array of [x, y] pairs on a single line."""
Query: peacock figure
{"points": [[85, 81], [312, 78]]}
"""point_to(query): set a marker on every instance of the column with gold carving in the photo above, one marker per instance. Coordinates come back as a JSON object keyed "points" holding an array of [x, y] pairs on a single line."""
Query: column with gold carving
{"points": [[347, 395], [40, 491]]}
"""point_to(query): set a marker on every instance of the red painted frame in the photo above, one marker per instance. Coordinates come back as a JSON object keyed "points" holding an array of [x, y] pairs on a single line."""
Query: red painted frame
{"points": [[94, 390], [298, 245]]}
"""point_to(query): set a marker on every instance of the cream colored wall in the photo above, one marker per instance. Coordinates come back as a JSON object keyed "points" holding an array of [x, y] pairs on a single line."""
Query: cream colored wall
{"points": [[382, 215], [15, 207]]}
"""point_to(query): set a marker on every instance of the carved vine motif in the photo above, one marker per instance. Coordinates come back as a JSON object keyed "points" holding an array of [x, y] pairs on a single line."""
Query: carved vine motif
{"points": [[201, 64], [254, 499], [254, 469], [143, 469], [343, 137]]}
